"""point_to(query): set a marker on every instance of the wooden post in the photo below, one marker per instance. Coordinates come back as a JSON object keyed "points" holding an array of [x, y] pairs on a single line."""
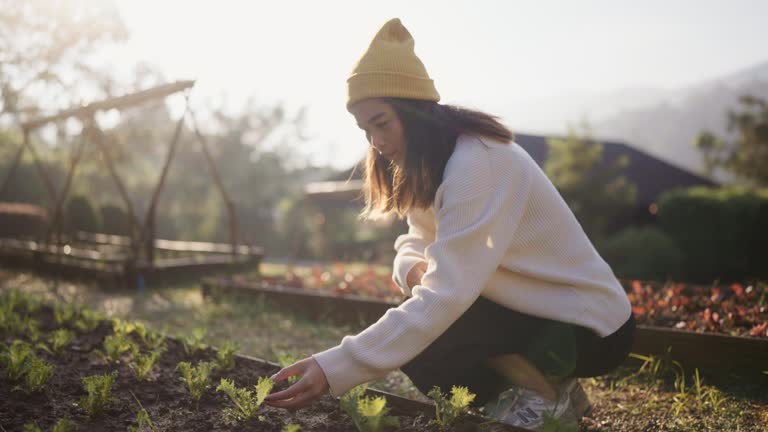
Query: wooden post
{"points": [[149, 221], [233, 226], [56, 223]]}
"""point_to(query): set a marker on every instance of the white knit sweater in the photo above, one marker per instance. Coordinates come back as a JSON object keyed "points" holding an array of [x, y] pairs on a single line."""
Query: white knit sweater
{"points": [[497, 228]]}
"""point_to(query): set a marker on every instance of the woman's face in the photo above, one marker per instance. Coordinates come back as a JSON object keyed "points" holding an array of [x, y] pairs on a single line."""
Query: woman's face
{"points": [[382, 127]]}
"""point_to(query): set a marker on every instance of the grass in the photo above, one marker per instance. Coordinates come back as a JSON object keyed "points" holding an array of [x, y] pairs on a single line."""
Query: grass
{"points": [[629, 399]]}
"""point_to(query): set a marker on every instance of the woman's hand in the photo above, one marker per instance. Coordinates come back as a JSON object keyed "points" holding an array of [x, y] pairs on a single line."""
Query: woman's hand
{"points": [[415, 274], [311, 386]]}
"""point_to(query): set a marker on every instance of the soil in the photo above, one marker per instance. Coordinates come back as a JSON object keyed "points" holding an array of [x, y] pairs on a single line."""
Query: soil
{"points": [[165, 396]]}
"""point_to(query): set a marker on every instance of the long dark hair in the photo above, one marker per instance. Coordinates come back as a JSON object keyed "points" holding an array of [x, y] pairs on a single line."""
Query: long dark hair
{"points": [[431, 130]]}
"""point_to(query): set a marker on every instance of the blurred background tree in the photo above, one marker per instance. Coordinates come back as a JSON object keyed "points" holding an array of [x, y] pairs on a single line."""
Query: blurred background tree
{"points": [[745, 155], [594, 189]]}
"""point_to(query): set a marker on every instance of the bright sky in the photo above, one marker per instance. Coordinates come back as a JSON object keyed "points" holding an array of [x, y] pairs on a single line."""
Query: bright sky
{"points": [[492, 55]]}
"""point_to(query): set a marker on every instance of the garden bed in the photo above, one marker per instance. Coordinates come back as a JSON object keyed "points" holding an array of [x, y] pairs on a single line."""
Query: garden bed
{"points": [[164, 395], [710, 350]]}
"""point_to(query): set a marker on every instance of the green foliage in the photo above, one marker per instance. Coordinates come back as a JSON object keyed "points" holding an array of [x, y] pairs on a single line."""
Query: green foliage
{"points": [[16, 308], [721, 232], [596, 192], [99, 389], [198, 379], [194, 342], [63, 314], [37, 374], [115, 345], [88, 320], [447, 410], [646, 253], [142, 418], [291, 428], [14, 359], [368, 413], [29, 427], [60, 339], [151, 339], [225, 356], [552, 424], [142, 364], [63, 425], [246, 402], [745, 155]]}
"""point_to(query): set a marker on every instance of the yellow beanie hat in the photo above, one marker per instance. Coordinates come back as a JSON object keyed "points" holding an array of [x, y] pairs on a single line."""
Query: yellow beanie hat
{"points": [[390, 68]]}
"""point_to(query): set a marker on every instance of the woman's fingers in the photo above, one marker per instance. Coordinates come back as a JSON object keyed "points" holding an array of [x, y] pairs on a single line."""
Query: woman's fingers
{"points": [[302, 400], [288, 371], [300, 386]]}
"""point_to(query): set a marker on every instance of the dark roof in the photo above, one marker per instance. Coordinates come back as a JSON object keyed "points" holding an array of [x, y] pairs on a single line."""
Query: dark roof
{"points": [[650, 174]]}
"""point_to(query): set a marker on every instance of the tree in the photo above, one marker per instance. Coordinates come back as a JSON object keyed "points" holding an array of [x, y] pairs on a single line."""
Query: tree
{"points": [[746, 155], [594, 189], [45, 52]]}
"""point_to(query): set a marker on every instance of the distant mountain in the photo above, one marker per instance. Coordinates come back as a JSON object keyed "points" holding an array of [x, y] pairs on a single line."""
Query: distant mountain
{"points": [[663, 122]]}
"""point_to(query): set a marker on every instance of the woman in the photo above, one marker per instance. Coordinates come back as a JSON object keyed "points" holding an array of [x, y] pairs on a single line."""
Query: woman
{"points": [[507, 295]]}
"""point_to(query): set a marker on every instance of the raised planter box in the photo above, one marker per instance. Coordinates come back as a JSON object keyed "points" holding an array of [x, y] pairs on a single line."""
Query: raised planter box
{"points": [[693, 350]]}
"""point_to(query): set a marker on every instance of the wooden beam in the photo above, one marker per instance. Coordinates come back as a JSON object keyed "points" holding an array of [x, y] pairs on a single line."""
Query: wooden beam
{"points": [[119, 102]]}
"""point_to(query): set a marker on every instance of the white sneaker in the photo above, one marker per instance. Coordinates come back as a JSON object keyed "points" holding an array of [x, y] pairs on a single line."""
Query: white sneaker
{"points": [[527, 409]]}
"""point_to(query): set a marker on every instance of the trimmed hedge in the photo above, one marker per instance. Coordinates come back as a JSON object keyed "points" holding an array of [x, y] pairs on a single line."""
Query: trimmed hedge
{"points": [[722, 233]]}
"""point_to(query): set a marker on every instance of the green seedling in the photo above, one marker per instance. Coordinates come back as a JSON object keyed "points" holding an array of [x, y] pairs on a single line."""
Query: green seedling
{"points": [[88, 320], [552, 424], [64, 314], [447, 410], [29, 427], [37, 374], [142, 364], [198, 379], [99, 389], [291, 428], [60, 339], [14, 359], [153, 340], [194, 343], [142, 417], [115, 345], [225, 357], [368, 413], [63, 425], [245, 401]]}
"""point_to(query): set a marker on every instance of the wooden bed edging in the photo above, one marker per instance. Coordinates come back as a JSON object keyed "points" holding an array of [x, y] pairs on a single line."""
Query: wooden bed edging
{"points": [[693, 350]]}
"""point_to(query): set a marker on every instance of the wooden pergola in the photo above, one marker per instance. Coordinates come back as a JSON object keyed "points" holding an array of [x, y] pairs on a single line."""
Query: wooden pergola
{"points": [[142, 243]]}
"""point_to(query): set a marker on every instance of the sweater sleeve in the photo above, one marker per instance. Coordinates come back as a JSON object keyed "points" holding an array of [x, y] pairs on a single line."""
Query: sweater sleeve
{"points": [[478, 214], [410, 247]]}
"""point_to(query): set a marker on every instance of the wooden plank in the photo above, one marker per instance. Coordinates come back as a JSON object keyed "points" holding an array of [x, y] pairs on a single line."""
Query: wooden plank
{"points": [[119, 102]]}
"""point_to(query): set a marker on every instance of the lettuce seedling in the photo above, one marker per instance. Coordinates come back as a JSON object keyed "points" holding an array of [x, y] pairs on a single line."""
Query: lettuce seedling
{"points": [[198, 379], [292, 428], [368, 413], [37, 374], [63, 425], [143, 419], [115, 345], [142, 364], [14, 359], [245, 401], [88, 320], [99, 389], [60, 339], [29, 427], [153, 340], [225, 357], [447, 410], [63, 314], [194, 343]]}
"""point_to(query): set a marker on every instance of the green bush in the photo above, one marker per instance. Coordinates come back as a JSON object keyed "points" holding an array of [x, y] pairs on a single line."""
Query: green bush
{"points": [[722, 233], [642, 253]]}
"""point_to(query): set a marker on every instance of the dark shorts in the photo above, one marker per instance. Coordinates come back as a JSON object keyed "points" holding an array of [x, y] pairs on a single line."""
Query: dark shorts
{"points": [[487, 329]]}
